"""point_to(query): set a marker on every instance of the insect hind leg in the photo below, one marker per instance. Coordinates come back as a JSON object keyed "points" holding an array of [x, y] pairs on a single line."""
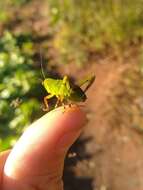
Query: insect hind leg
{"points": [[58, 102], [65, 79]]}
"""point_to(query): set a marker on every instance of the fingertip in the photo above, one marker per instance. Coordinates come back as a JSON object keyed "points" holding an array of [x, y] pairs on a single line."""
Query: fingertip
{"points": [[73, 114]]}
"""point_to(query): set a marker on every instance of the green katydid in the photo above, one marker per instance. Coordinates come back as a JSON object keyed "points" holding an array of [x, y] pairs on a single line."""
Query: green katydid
{"points": [[64, 90]]}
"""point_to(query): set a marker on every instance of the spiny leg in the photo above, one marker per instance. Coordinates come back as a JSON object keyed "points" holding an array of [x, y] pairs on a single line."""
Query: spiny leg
{"points": [[66, 83], [65, 79], [46, 102], [57, 103], [61, 100], [63, 103]]}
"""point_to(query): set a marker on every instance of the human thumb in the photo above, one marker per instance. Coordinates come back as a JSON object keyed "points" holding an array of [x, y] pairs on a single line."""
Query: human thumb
{"points": [[37, 160]]}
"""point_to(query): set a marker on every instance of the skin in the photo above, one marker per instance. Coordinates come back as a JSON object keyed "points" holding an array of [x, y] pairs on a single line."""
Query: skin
{"points": [[36, 161]]}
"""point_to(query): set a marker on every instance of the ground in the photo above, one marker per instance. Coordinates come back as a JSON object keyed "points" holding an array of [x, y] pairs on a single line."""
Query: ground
{"points": [[109, 156]]}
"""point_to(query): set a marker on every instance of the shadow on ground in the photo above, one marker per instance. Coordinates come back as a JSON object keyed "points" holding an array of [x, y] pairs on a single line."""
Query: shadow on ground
{"points": [[71, 181]]}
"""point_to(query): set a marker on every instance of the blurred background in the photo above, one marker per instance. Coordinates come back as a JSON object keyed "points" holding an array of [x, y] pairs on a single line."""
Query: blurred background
{"points": [[78, 38]]}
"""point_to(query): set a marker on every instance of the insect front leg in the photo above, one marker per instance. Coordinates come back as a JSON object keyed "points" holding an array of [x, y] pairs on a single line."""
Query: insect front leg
{"points": [[46, 102]]}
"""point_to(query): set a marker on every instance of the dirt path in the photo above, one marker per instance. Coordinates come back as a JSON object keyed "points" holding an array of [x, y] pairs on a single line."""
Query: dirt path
{"points": [[115, 155]]}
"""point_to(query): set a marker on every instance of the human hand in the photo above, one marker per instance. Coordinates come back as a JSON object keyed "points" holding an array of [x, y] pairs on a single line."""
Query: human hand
{"points": [[36, 161]]}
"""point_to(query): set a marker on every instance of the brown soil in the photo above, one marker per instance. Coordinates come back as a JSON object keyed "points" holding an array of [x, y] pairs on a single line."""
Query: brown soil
{"points": [[109, 157]]}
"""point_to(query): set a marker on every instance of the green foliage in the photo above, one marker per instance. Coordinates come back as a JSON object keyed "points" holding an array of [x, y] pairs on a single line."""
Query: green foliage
{"points": [[90, 26], [19, 89]]}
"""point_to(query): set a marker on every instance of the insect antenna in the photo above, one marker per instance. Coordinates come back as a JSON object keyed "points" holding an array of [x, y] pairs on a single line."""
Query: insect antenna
{"points": [[41, 64]]}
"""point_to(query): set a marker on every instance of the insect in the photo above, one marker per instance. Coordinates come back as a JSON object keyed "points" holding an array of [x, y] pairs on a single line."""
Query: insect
{"points": [[64, 90]]}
